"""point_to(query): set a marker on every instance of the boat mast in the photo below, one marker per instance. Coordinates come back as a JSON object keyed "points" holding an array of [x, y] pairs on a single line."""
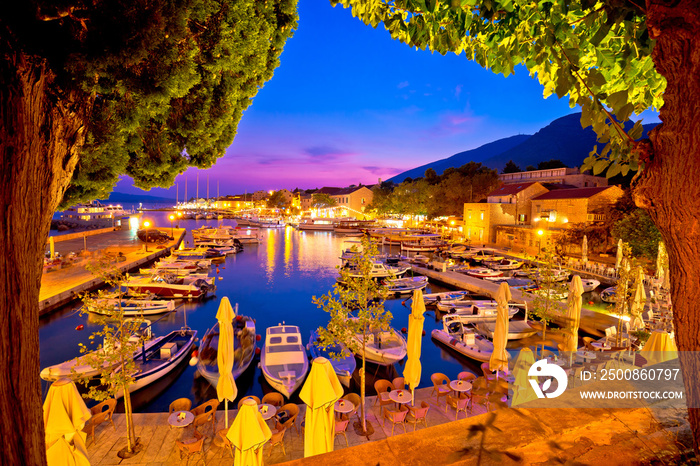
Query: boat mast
{"points": [[185, 190], [197, 199]]}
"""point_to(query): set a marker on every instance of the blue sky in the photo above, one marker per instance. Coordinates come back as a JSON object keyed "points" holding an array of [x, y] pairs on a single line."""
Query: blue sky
{"points": [[349, 105]]}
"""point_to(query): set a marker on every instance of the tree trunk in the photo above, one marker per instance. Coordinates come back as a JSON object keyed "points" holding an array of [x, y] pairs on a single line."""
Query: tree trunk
{"points": [[668, 187], [39, 136]]}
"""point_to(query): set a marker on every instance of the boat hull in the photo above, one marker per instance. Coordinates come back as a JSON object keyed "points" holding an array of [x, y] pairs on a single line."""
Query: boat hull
{"points": [[480, 351], [241, 360]]}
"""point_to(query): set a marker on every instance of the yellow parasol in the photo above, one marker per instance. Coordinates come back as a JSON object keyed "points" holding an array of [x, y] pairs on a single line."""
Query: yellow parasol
{"points": [[226, 386], [65, 415], [320, 392], [412, 371], [573, 314], [499, 357], [248, 433], [522, 390]]}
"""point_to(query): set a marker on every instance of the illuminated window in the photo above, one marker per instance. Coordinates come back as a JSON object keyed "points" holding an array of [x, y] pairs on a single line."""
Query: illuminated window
{"points": [[482, 215], [470, 214]]}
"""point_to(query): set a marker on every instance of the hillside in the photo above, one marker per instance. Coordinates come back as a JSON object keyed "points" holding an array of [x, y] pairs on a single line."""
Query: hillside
{"points": [[124, 198], [562, 139]]}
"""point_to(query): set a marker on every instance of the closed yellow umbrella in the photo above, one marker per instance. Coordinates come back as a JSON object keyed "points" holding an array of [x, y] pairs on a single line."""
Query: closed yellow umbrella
{"points": [[522, 390], [248, 433], [320, 392], [499, 357], [65, 415], [659, 348], [412, 371], [226, 386], [640, 298], [573, 314]]}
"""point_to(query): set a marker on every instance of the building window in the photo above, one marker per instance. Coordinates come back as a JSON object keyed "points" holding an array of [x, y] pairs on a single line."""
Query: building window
{"points": [[537, 206], [481, 234], [482, 215], [469, 216], [585, 185], [522, 218], [363, 200]]}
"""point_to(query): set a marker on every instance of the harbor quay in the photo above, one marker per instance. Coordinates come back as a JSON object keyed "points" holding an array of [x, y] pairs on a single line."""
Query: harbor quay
{"points": [[62, 283]]}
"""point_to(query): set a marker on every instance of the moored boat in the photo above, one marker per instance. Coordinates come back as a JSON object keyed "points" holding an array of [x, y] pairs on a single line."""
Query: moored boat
{"points": [[283, 360], [503, 264], [482, 272], [170, 286], [130, 306], [405, 285], [444, 297], [462, 340], [343, 367], [486, 312], [609, 295], [589, 284], [383, 347], [517, 329], [379, 270]]}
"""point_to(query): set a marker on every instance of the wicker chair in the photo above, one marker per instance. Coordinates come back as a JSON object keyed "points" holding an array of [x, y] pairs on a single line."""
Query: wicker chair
{"points": [[416, 414], [459, 404], [340, 428], [292, 411], [181, 404], [277, 438], [383, 387], [205, 408], [100, 413], [441, 385], [273, 398], [191, 446], [398, 383], [252, 397], [396, 417], [353, 398]]}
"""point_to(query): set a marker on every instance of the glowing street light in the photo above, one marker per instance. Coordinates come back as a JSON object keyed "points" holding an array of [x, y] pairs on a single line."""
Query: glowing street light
{"points": [[539, 241], [172, 217], [146, 224]]}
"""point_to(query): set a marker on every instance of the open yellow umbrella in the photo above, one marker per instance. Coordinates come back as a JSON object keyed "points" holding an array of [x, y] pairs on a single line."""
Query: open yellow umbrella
{"points": [[226, 386], [499, 357], [320, 392], [248, 433], [640, 298], [522, 390], [659, 348], [65, 415], [573, 314], [412, 371]]}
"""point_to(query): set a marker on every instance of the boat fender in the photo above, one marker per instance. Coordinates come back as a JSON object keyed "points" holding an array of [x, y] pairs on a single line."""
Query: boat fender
{"points": [[590, 302], [423, 332], [258, 338], [80, 327], [194, 361], [221, 278], [403, 330]]}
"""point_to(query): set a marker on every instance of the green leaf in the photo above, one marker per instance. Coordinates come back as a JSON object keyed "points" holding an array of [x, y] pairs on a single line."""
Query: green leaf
{"points": [[617, 99], [600, 34], [600, 166], [637, 130], [613, 170], [625, 169]]}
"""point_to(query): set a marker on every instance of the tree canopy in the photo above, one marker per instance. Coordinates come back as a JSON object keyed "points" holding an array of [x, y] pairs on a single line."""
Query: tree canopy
{"points": [[511, 167], [166, 83], [278, 200]]}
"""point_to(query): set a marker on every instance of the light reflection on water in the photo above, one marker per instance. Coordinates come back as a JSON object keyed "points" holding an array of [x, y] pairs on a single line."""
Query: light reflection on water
{"points": [[272, 282]]}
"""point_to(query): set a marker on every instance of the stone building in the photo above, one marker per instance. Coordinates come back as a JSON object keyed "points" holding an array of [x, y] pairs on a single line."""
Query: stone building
{"points": [[570, 176]]}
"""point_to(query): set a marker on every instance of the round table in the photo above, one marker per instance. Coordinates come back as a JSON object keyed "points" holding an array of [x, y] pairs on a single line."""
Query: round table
{"points": [[600, 346], [586, 355], [559, 361], [400, 396], [267, 411], [343, 407], [180, 419], [460, 386]]}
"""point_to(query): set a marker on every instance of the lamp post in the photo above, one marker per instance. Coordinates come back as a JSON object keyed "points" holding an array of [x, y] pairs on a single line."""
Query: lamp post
{"points": [[539, 241], [146, 224], [172, 218]]}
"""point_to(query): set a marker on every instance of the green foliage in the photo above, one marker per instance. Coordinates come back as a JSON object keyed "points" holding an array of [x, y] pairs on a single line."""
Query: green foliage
{"points": [[355, 307], [598, 54], [511, 167], [160, 85], [278, 200], [549, 164], [322, 201], [546, 302], [638, 230]]}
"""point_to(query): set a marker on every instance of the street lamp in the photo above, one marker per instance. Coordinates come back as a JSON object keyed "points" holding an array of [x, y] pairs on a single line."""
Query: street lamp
{"points": [[146, 224], [539, 241], [172, 217]]}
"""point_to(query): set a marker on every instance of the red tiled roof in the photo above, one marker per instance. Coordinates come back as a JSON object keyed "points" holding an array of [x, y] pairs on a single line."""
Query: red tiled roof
{"points": [[510, 189], [575, 193]]}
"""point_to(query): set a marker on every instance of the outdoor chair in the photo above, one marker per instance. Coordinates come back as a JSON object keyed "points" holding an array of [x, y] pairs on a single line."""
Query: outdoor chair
{"points": [[383, 387], [292, 411], [252, 397], [398, 383], [191, 446], [273, 398], [441, 385], [416, 414], [181, 404], [202, 419], [225, 442], [353, 398], [479, 393], [396, 417], [459, 404], [466, 376], [340, 428], [576, 375], [100, 413], [587, 343], [277, 438], [207, 407]]}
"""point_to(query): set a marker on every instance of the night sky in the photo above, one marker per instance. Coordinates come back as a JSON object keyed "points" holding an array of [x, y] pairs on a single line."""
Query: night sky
{"points": [[349, 105]]}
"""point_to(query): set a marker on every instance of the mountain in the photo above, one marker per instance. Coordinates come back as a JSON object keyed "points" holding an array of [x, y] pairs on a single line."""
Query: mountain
{"points": [[486, 151], [116, 196], [562, 139]]}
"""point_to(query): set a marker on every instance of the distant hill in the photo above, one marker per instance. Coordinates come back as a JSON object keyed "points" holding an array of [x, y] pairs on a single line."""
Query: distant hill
{"points": [[136, 198], [489, 150], [562, 139]]}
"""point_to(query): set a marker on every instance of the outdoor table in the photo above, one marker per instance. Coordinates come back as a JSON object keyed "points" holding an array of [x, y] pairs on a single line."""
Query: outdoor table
{"points": [[343, 407], [267, 411], [460, 386], [400, 396], [180, 419], [586, 355], [559, 361], [600, 346]]}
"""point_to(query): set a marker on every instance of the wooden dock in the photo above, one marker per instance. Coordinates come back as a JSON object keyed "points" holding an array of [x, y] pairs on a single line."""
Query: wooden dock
{"points": [[59, 287]]}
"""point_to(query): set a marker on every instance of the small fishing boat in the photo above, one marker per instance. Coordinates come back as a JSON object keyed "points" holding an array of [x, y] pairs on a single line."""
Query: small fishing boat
{"points": [[557, 275], [503, 264], [483, 272], [383, 347], [343, 367], [589, 284], [130, 306], [171, 286], [609, 295], [465, 341], [379, 270], [243, 349], [283, 360], [517, 329], [159, 359], [405, 285], [444, 297], [80, 368], [557, 295], [484, 312], [486, 255]]}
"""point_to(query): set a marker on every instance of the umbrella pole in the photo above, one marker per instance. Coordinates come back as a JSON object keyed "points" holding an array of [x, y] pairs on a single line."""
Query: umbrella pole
{"points": [[226, 414]]}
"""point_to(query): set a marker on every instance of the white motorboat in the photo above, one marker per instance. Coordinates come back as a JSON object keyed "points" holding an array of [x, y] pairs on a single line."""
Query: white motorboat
{"points": [[170, 286], [609, 295], [130, 306], [482, 312], [379, 270], [444, 297], [283, 359], [556, 295], [482, 272], [517, 329], [589, 284], [383, 347], [422, 243], [503, 264], [343, 367], [464, 341], [486, 255], [557, 275], [405, 285], [243, 349]]}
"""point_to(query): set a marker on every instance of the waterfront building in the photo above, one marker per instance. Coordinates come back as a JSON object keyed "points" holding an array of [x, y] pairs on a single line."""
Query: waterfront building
{"points": [[352, 200], [570, 176]]}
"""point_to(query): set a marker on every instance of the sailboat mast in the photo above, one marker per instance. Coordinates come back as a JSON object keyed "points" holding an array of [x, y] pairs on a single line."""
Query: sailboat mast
{"points": [[185, 190]]}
